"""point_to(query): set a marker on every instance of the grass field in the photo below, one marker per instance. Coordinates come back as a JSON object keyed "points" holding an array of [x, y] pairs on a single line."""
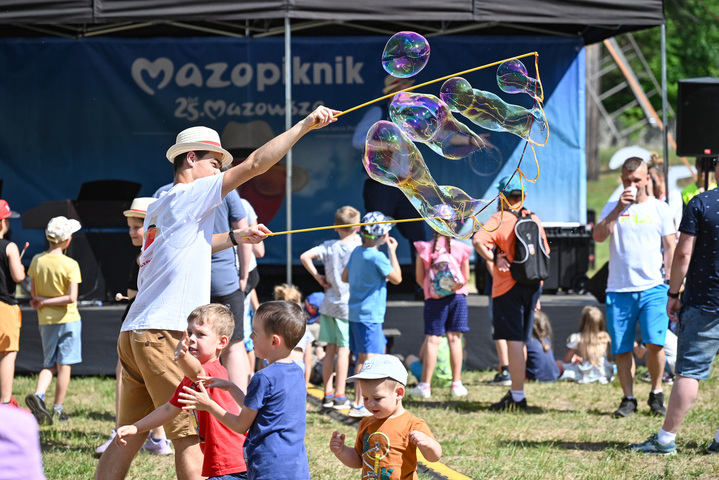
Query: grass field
{"points": [[568, 432]]}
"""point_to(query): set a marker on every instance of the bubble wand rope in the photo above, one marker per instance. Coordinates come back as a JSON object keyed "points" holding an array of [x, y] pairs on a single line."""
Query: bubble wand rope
{"points": [[332, 227]]}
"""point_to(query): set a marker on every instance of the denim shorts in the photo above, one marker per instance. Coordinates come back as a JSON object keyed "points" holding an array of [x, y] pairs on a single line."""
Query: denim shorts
{"points": [[649, 308], [61, 343], [446, 314], [367, 338], [698, 342]]}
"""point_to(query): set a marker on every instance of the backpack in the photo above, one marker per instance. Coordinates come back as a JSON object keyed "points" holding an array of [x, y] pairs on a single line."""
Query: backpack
{"points": [[531, 261], [444, 274]]}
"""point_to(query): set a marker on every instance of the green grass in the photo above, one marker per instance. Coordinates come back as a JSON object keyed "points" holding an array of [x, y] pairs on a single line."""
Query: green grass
{"points": [[568, 432]]}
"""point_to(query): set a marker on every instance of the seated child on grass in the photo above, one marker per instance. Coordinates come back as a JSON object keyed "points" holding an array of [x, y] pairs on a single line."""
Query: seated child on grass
{"points": [[274, 409], [541, 365], [209, 329], [586, 358], [387, 442]]}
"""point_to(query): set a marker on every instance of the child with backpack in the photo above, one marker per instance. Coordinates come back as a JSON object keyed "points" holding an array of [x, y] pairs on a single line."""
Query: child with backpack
{"points": [[443, 268]]}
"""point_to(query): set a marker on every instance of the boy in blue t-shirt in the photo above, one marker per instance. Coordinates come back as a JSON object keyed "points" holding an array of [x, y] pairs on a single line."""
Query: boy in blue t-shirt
{"points": [[274, 409], [367, 272]]}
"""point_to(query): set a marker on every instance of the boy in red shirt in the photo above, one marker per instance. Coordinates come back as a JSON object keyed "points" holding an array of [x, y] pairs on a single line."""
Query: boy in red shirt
{"points": [[209, 329]]}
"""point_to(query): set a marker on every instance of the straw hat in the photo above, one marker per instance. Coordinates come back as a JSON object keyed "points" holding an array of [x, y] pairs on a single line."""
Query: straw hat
{"points": [[195, 139], [138, 208]]}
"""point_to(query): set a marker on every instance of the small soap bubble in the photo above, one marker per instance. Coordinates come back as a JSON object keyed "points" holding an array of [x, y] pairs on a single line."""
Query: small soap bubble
{"points": [[405, 54], [512, 77]]}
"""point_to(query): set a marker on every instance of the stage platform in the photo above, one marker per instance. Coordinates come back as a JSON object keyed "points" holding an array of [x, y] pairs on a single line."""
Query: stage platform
{"points": [[100, 327]]}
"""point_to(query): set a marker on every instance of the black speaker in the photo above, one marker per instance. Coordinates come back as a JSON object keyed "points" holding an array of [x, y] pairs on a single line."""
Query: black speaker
{"points": [[697, 122]]}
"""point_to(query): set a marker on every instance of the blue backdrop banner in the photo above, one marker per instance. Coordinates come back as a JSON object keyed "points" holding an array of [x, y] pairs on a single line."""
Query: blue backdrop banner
{"points": [[75, 111]]}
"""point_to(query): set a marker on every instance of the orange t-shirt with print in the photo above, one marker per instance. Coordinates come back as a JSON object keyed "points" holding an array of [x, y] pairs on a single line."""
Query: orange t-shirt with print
{"points": [[499, 232], [388, 439]]}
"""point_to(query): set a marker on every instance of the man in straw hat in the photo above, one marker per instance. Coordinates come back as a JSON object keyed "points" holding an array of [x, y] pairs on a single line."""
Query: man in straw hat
{"points": [[175, 278]]}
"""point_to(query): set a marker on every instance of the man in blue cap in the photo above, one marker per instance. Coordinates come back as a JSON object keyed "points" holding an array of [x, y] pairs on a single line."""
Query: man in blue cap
{"points": [[513, 303]]}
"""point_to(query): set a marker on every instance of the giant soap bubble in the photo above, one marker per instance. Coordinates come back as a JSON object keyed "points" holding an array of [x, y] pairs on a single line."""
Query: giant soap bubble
{"points": [[392, 159], [512, 77], [427, 119], [405, 54], [491, 112]]}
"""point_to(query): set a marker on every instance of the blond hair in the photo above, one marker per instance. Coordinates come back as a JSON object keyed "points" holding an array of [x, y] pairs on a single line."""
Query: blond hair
{"points": [[289, 293], [218, 316], [595, 340], [347, 215]]}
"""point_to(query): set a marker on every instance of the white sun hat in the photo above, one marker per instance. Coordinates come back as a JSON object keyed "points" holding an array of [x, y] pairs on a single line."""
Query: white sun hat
{"points": [[198, 139], [60, 229], [138, 208]]}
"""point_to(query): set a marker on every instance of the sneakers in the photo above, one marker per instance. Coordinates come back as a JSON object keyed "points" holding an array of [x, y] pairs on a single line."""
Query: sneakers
{"points": [[656, 404], [418, 392], [626, 408], [157, 446], [12, 403], [713, 447], [667, 378], [458, 391], [60, 416], [507, 403], [502, 378], [653, 447], [101, 449], [38, 409], [359, 412], [341, 403], [328, 400]]}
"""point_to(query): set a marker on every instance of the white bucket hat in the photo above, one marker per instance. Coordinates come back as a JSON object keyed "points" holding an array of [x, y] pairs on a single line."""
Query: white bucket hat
{"points": [[198, 139], [138, 208], [60, 229]]}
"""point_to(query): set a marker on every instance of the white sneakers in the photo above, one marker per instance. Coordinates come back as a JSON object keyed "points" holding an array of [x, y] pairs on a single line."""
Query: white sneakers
{"points": [[459, 391], [153, 446], [420, 392]]}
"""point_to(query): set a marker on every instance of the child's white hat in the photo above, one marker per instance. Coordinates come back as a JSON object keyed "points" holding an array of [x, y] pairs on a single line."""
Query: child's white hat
{"points": [[138, 208], [382, 366], [60, 229]]}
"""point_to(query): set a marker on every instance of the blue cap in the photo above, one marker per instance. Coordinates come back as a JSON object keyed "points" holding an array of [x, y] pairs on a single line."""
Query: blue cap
{"points": [[508, 186], [312, 306]]}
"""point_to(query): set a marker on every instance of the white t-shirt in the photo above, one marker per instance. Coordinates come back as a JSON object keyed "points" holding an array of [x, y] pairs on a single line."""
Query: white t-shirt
{"points": [[175, 262], [635, 246], [334, 255]]}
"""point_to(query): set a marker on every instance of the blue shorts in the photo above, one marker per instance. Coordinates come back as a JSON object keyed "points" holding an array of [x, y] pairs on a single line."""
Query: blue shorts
{"points": [[513, 313], [367, 338], [624, 309], [446, 314], [334, 330], [61, 343], [698, 342]]}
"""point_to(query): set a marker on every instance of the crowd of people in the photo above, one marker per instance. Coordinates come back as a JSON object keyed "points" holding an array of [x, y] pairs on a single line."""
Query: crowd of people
{"points": [[206, 368]]}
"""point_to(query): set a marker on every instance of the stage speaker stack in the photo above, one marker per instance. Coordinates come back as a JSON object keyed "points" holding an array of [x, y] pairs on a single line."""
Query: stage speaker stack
{"points": [[698, 117]]}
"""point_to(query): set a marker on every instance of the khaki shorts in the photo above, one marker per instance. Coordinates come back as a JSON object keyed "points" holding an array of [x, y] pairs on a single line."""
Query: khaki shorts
{"points": [[10, 323], [150, 378]]}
